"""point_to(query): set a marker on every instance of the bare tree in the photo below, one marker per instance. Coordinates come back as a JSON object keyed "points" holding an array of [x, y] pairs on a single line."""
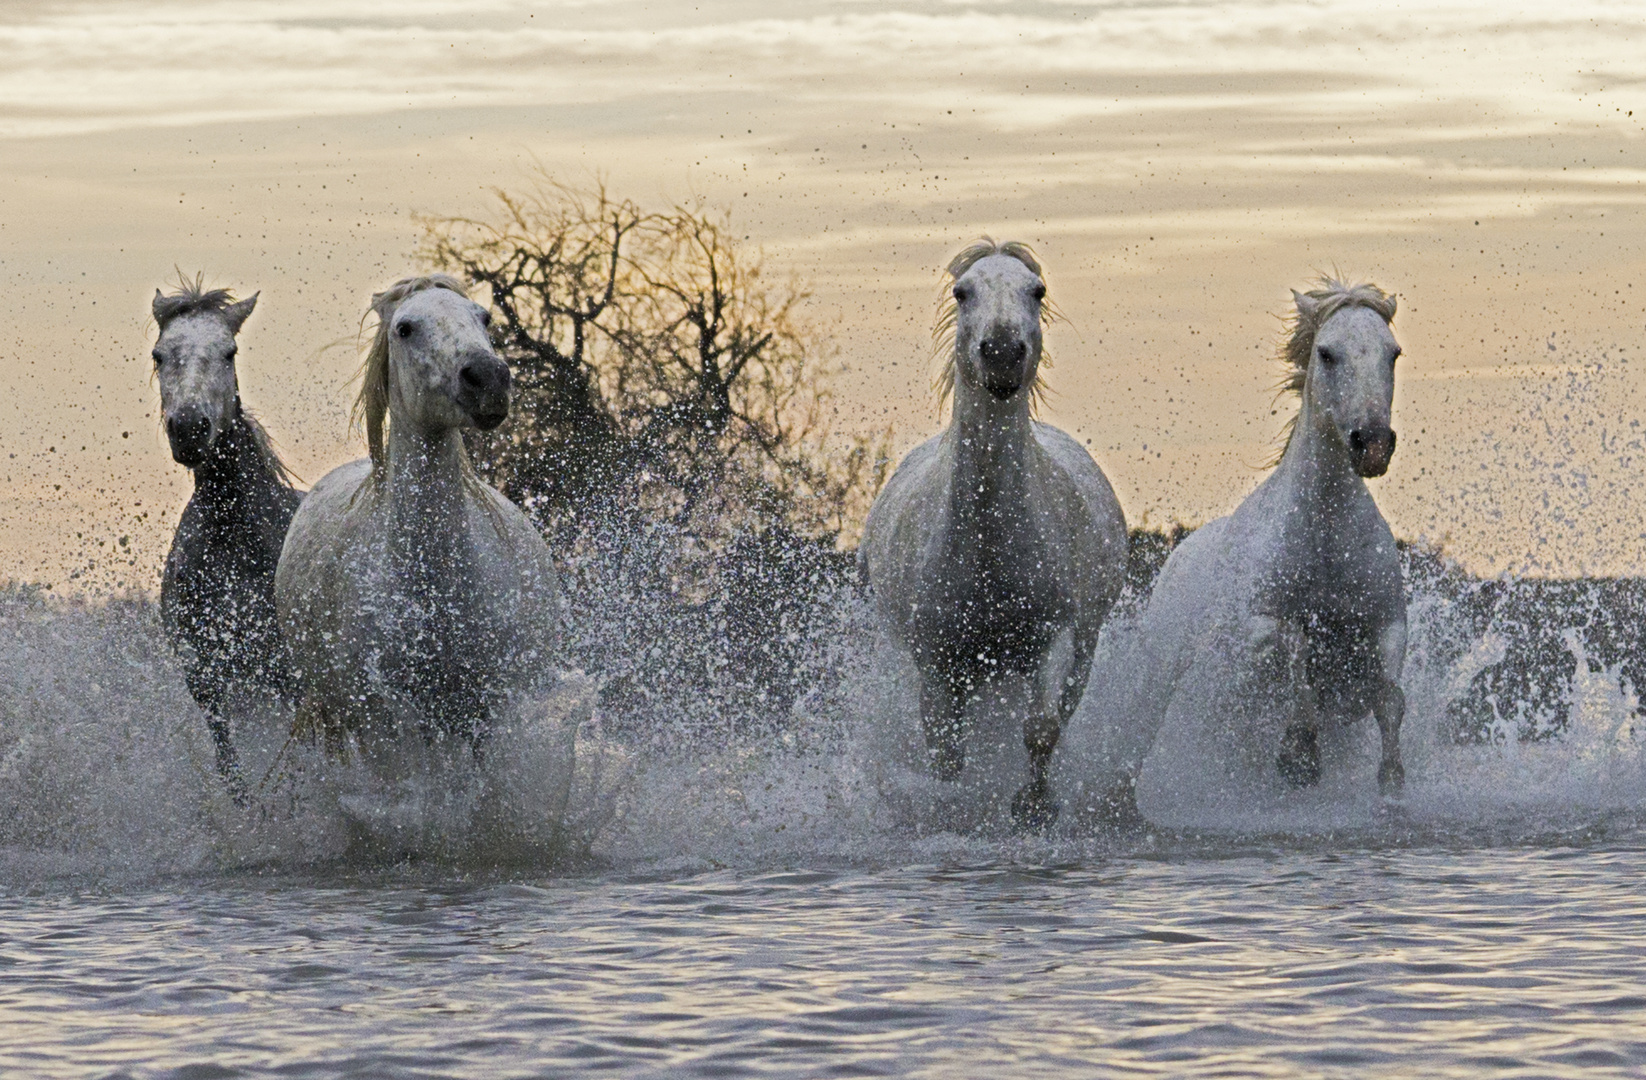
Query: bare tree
{"points": [[657, 368], [554, 264], [732, 402]]}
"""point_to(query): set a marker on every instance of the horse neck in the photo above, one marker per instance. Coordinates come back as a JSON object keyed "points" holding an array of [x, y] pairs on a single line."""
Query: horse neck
{"points": [[237, 477], [1318, 472], [428, 485], [993, 443]]}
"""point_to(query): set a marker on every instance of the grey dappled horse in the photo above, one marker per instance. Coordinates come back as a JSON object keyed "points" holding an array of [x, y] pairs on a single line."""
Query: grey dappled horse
{"points": [[217, 595], [422, 606], [1271, 630], [998, 546]]}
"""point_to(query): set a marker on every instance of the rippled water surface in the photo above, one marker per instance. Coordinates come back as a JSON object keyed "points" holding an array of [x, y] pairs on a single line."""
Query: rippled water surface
{"points": [[1280, 962]]}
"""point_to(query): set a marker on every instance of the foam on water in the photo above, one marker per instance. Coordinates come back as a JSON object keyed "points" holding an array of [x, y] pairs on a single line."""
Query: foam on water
{"points": [[105, 770]]}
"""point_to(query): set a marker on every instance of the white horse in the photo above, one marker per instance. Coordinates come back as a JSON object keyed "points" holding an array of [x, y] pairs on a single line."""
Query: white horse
{"points": [[421, 606], [998, 546], [1271, 629]]}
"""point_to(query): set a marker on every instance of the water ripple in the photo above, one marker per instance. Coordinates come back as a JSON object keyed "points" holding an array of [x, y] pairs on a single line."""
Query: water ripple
{"points": [[1518, 961]]}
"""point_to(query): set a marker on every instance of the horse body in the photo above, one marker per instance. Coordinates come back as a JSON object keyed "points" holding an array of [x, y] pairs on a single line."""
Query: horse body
{"points": [[998, 546], [420, 604], [1272, 629], [217, 592]]}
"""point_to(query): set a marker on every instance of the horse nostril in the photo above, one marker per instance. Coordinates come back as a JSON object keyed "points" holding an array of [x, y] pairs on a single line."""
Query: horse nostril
{"points": [[485, 376], [997, 351], [1372, 448], [189, 427], [190, 433], [1369, 438]]}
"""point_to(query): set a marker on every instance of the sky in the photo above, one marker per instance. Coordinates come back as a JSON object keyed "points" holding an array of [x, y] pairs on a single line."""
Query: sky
{"points": [[1178, 166]]}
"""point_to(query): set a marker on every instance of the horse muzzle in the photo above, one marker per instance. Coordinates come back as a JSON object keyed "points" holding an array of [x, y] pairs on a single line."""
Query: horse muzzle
{"points": [[483, 391], [190, 433], [1003, 364], [1371, 448]]}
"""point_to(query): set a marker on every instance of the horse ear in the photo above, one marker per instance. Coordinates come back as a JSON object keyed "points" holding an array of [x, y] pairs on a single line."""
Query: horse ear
{"points": [[1306, 305], [159, 303], [238, 312]]}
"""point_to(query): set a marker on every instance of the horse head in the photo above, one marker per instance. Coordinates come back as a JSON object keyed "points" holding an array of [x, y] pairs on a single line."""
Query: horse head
{"points": [[1350, 376], [998, 302], [438, 366], [194, 362]]}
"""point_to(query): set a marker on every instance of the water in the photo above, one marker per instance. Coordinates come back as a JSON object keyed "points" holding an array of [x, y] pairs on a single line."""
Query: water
{"points": [[786, 902], [1270, 961]]}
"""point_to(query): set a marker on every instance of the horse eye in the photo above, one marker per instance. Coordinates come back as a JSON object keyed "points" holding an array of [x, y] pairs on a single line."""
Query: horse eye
{"points": [[1327, 356], [485, 317], [1040, 292], [961, 293], [234, 350], [158, 359], [404, 329]]}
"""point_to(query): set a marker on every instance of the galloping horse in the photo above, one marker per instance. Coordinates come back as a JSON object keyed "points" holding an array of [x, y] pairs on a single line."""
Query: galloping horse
{"points": [[998, 546], [1271, 629], [420, 604], [217, 595]]}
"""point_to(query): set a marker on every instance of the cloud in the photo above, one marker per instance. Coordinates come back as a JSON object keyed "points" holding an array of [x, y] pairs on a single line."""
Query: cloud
{"points": [[97, 66]]}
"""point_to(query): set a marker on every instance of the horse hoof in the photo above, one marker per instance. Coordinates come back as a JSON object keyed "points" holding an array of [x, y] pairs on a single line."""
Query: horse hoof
{"points": [[1391, 779], [1034, 810], [1299, 760]]}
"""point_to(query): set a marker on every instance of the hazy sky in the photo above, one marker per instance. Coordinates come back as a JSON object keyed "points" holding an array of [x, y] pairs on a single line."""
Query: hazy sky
{"points": [[1179, 166]]}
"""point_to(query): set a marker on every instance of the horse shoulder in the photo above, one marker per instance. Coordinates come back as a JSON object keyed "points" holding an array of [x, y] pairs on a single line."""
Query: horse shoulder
{"points": [[203, 583], [1193, 594], [1139, 678], [1384, 567], [1090, 485], [328, 523], [331, 496], [180, 560], [525, 559], [887, 529], [521, 543]]}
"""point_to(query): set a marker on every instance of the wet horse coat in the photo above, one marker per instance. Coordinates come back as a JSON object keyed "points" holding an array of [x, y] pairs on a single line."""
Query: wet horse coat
{"points": [[421, 605], [998, 546], [1271, 630], [217, 593]]}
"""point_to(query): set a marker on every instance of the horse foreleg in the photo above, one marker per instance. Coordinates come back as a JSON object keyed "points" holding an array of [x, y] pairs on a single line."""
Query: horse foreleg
{"points": [[1390, 708], [942, 709], [208, 690], [1299, 758], [1033, 806]]}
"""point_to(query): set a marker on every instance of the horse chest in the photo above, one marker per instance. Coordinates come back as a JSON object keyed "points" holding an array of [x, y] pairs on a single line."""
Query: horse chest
{"points": [[1340, 617], [995, 590], [1342, 580], [218, 590], [435, 635]]}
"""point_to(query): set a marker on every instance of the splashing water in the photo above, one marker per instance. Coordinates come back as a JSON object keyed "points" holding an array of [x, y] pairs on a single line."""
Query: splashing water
{"points": [[105, 767], [799, 894]]}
